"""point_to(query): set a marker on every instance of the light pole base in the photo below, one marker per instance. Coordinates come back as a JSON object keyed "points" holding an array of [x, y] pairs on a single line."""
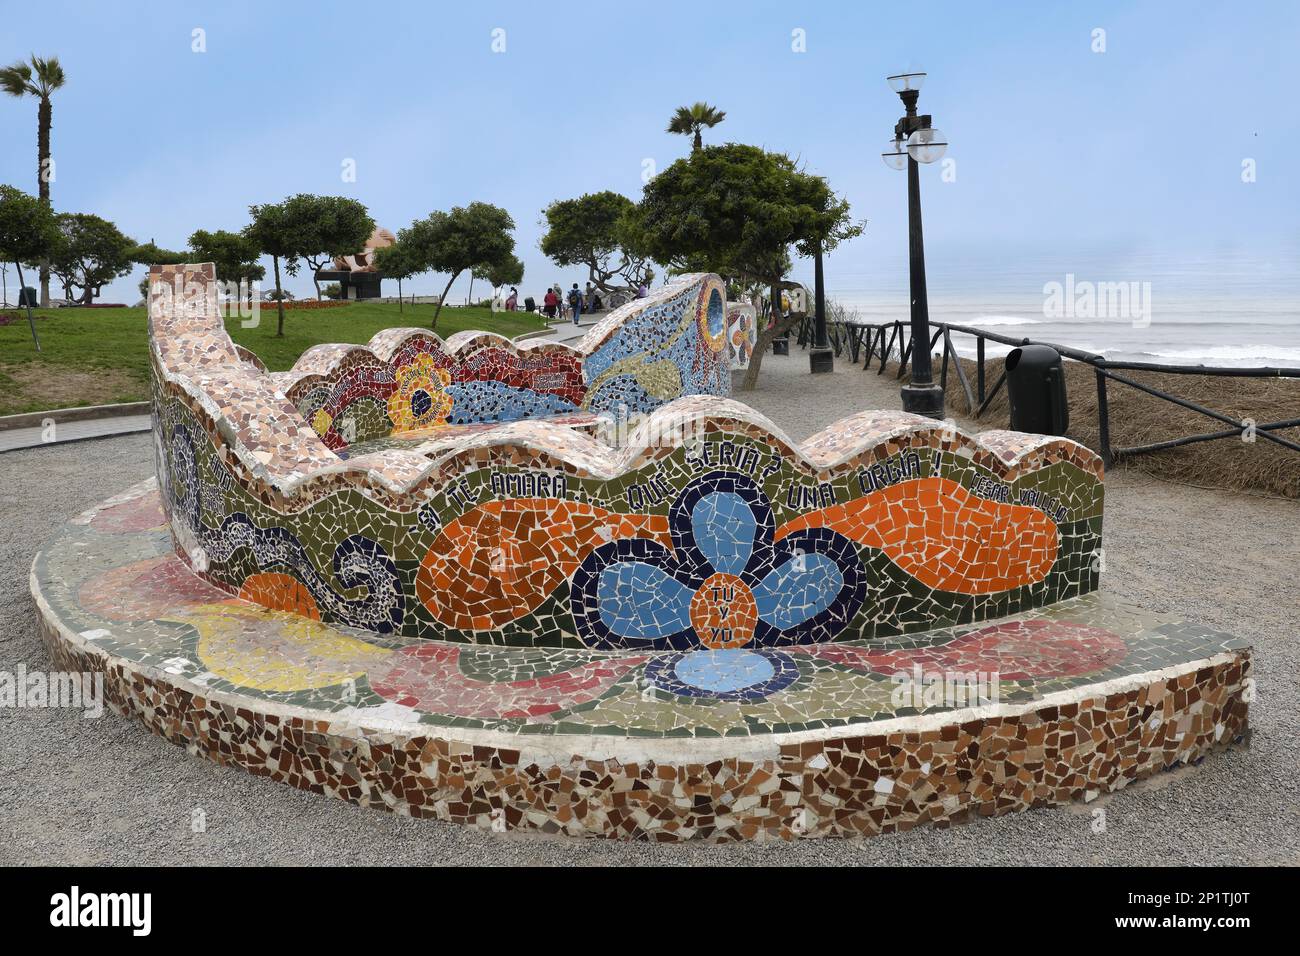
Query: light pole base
{"points": [[924, 400], [821, 360]]}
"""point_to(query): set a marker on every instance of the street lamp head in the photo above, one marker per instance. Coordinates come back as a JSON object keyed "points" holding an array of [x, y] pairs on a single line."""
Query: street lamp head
{"points": [[927, 145], [902, 82], [895, 156]]}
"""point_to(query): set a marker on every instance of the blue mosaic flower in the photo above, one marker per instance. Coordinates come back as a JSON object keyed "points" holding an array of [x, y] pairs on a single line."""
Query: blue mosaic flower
{"points": [[725, 583]]}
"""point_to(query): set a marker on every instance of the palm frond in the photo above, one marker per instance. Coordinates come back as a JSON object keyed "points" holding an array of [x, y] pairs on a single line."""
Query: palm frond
{"points": [[16, 80], [683, 121], [49, 73]]}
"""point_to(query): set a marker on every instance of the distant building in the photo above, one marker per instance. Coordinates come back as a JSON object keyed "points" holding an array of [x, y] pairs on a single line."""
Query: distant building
{"points": [[356, 274]]}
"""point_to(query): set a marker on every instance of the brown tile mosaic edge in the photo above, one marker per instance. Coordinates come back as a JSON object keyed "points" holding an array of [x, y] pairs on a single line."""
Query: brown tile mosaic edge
{"points": [[775, 787]]}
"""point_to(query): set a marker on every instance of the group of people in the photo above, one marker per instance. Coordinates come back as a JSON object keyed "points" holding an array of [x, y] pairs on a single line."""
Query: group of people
{"points": [[571, 304], [567, 305]]}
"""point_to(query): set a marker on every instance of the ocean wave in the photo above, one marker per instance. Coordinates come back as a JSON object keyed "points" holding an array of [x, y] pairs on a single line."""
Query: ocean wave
{"points": [[1229, 356], [992, 320], [1224, 354]]}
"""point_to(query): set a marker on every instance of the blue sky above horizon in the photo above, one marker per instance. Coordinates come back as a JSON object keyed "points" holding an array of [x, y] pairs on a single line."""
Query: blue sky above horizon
{"points": [[1058, 149]]}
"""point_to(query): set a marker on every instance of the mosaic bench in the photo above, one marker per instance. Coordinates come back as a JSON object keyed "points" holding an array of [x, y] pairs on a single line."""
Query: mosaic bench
{"points": [[405, 384], [703, 631]]}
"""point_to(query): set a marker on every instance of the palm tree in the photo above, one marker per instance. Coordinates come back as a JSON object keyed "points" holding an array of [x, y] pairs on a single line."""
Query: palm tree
{"points": [[691, 119], [40, 79]]}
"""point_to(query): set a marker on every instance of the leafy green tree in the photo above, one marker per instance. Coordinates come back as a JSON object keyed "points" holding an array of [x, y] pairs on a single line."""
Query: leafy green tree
{"points": [[28, 233], [328, 226], [275, 233], [593, 231], [459, 240], [151, 254], [509, 271], [332, 290], [234, 254], [738, 210], [307, 228], [691, 120], [90, 253], [39, 78], [399, 261]]}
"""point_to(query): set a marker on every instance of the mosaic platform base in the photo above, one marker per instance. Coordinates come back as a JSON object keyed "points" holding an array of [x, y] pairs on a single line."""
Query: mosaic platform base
{"points": [[815, 740]]}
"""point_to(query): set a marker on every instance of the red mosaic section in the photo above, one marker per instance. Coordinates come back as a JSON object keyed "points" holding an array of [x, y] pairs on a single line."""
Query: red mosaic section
{"points": [[428, 678], [548, 373], [148, 589], [136, 514], [1014, 650]]}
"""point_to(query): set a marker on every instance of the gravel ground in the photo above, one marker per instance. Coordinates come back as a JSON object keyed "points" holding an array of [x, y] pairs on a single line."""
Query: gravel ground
{"points": [[105, 791]]}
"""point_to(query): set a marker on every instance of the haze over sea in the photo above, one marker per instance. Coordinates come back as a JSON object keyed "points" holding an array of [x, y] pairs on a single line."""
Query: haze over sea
{"points": [[1228, 307]]}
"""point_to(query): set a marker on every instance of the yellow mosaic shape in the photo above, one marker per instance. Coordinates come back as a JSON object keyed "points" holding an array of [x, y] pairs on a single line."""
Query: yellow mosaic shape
{"points": [[662, 379], [321, 422], [277, 651]]}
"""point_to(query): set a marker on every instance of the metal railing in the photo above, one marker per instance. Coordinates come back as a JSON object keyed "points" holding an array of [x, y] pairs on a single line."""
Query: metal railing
{"points": [[885, 339]]}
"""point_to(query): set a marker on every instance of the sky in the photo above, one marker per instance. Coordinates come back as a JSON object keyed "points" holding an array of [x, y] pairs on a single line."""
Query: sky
{"points": [[1057, 148]]}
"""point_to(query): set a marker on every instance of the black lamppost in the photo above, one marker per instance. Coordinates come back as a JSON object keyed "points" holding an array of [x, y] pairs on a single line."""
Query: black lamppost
{"points": [[820, 356], [916, 142]]}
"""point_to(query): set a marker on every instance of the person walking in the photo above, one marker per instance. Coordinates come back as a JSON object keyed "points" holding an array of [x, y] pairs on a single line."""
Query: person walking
{"points": [[512, 300], [575, 302], [549, 303]]}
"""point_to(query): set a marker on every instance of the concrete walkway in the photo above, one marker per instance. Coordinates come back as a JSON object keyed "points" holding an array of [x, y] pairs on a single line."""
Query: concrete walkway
{"points": [[803, 403], [563, 330], [12, 439]]}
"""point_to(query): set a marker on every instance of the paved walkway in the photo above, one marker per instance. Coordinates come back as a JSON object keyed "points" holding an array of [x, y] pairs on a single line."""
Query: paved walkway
{"points": [[563, 330], [803, 403], [15, 438]]}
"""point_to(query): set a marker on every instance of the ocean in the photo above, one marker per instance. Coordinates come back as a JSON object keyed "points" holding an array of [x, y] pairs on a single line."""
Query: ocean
{"points": [[1226, 308]]}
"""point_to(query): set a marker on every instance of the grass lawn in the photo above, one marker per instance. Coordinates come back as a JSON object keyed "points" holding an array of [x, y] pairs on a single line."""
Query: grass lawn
{"points": [[97, 356]]}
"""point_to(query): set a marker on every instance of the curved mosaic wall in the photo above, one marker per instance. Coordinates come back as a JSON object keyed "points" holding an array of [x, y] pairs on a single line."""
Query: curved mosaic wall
{"points": [[709, 529], [1065, 703], [531, 533], [409, 379], [656, 349], [640, 356]]}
